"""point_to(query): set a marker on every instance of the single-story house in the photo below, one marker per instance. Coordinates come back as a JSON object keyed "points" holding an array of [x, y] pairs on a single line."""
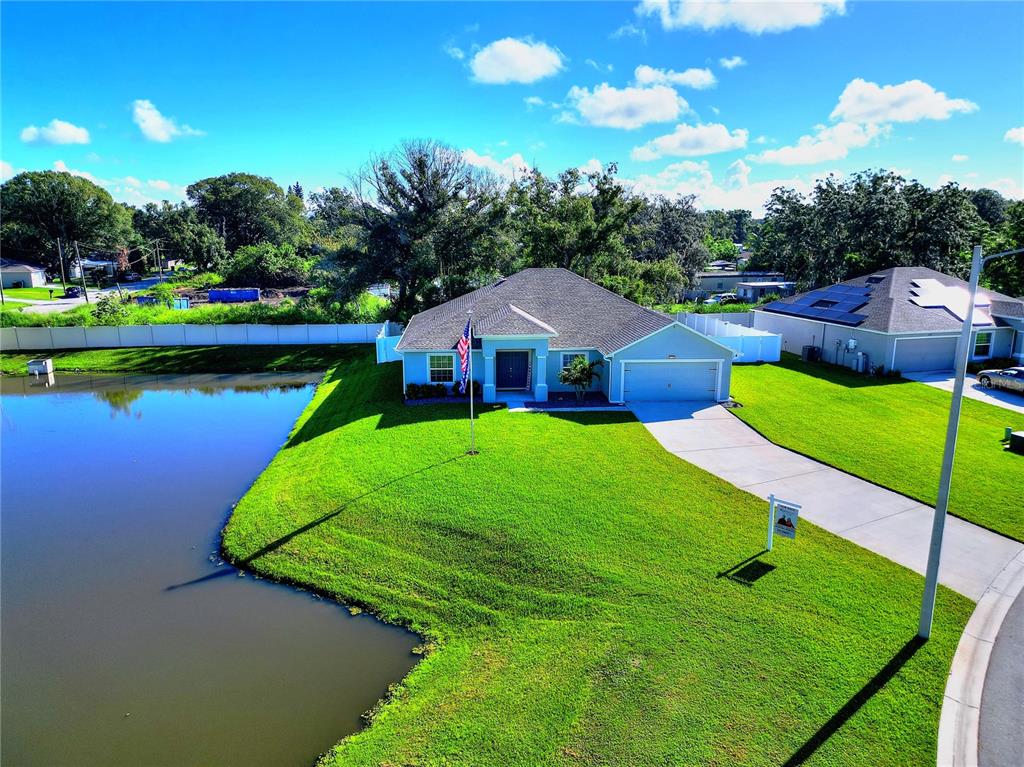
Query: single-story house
{"points": [[726, 281], [16, 274], [529, 326], [758, 289], [721, 264], [907, 318]]}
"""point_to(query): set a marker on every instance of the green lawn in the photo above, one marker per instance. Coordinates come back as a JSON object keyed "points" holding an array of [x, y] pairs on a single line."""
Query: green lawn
{"points": [[587, 597], [889, 431], [41, 294], [13, 306], [186, 359]]}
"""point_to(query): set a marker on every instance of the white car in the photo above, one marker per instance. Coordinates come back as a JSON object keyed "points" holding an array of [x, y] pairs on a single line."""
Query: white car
{"points": [[722, 298]]}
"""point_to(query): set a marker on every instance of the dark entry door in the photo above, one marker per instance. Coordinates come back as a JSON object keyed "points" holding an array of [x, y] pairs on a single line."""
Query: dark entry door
{"points": [[512, 370]]}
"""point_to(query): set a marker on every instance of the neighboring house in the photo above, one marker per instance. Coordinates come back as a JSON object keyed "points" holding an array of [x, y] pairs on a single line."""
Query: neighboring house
{"points": [[16, 274], [905, 318], [720, 265], [726, 281], [531, 325], [755, 291]]}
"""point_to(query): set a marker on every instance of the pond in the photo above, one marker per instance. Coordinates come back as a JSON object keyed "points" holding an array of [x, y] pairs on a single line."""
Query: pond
{"points": [[125, 639]]}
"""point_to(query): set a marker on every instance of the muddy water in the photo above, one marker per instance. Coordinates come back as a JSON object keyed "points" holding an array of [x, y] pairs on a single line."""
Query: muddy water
{"points": [[122, 642]]}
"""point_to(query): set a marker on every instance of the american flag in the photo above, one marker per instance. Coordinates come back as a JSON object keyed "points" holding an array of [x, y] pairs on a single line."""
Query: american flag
{"points": [[463, 349]]}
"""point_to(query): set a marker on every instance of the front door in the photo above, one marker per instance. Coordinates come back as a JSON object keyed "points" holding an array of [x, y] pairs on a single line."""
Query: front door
{"points": [[512, 370]]}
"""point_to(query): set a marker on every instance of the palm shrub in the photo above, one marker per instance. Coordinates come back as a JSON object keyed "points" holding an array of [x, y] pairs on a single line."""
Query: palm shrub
{"points": [[580, 375]]}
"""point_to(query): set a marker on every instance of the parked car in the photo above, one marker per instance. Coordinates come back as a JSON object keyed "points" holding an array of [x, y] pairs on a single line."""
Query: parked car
{"points": [[132, 277], [1011, 379], [722, 298], [72, 292]]}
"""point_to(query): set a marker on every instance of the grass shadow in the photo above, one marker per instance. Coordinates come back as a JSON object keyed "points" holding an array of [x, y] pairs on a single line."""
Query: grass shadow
{"points": [[748, 571], [854, 704], [279, 542], [833, 373]]}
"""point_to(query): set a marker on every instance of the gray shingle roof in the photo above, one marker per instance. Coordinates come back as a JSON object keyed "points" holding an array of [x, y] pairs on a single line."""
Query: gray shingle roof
{"points": [[584, 315], [890, 309]]}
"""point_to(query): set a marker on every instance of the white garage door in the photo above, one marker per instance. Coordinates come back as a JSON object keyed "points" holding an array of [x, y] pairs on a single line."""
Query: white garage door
{"points": [[670, 380], [919, 354]]}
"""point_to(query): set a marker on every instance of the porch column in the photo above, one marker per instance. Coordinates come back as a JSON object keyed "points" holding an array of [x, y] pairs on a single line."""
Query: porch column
{"points": [[490, 391], [540, 377]]}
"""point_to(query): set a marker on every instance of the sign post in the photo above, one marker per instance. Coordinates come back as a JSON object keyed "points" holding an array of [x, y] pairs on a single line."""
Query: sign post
{"points": [[782, 519]]}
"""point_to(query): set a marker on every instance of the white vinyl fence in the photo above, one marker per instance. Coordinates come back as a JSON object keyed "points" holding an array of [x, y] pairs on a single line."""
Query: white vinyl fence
{"points": [[387, 339], [39, 339], [751, 344]]}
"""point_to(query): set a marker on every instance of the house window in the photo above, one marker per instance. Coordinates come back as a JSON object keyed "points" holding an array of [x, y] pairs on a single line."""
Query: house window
{"points": [[983, 345], [568, 357], [442, 368]]}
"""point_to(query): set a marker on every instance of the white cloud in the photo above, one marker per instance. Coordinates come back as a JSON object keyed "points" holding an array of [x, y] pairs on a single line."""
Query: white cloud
{"points": [[534, 101], [57, 132], [692, 141], [754, 16], [132, 181], [515, 61], [507, 168], [454, 51], [691, 78], [828, 143], [1015, 135], [6, 170], [736, 191], [626, 108], [155, 126], [159, 183], [599, 67], [593, 165], [732, 62], [62, 167], [629, 30], [1007, 187], [960, 158], [866, 102]]}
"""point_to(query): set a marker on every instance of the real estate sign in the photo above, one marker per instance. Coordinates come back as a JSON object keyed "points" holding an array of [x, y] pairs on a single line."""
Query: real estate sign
{"points": [[782, 519], [786, 516]]}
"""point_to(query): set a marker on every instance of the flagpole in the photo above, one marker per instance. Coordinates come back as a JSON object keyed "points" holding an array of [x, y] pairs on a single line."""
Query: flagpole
{"points": [[472, 435]]}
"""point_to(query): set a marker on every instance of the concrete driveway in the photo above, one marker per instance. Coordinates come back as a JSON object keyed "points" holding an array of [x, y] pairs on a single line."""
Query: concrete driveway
{"points": [[885, 522], [943, 379]]}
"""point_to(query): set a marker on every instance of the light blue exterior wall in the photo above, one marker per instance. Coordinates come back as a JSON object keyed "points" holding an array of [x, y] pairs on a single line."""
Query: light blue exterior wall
{"points": [[555, 367], [416, 368], [683, 343]]}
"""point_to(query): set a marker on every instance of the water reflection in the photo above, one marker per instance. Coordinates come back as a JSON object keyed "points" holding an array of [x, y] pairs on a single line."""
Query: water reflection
{"points": [[103, 664]]}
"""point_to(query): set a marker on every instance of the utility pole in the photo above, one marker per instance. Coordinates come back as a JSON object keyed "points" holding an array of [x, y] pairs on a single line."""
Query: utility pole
{"points": [[81, 269], [159, 264], [963, 353], [60, 257]]}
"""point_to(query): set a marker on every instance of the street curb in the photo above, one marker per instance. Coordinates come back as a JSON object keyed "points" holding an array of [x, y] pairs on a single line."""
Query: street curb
{"points": [[961, 702]]}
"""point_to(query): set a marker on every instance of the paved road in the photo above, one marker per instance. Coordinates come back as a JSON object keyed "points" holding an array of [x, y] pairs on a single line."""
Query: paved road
{"points": [[885, 522], [998, 397], [65, 304], [1001, 741]]}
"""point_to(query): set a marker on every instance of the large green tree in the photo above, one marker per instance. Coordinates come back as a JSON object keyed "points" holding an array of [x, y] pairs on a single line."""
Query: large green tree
{"points": [[175, 231], [41, 206], [246, 209], [427, 222]]}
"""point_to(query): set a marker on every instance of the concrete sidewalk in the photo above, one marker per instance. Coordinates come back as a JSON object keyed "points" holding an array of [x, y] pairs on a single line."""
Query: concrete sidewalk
{"points": [[881, 520]]}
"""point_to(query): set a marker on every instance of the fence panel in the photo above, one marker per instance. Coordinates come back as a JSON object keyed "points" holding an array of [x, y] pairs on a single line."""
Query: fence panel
{"points": [[102, 337]]}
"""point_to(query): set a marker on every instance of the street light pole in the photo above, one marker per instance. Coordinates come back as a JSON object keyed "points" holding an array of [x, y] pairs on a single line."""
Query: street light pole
{"points": [[963, 350]]}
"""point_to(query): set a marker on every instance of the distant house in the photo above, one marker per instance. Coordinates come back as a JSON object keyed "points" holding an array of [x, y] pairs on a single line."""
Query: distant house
{"points": [[756, 290], [720, 264], [904, 318], [531, 325], [722, 281], [17, 274]]}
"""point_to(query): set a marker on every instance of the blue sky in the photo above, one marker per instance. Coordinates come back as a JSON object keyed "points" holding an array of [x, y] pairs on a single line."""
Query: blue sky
{"points": [[721, 100]]}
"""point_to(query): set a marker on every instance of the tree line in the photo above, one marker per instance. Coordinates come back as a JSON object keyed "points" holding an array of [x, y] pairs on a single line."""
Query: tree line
{"points": [[425, 221]]}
